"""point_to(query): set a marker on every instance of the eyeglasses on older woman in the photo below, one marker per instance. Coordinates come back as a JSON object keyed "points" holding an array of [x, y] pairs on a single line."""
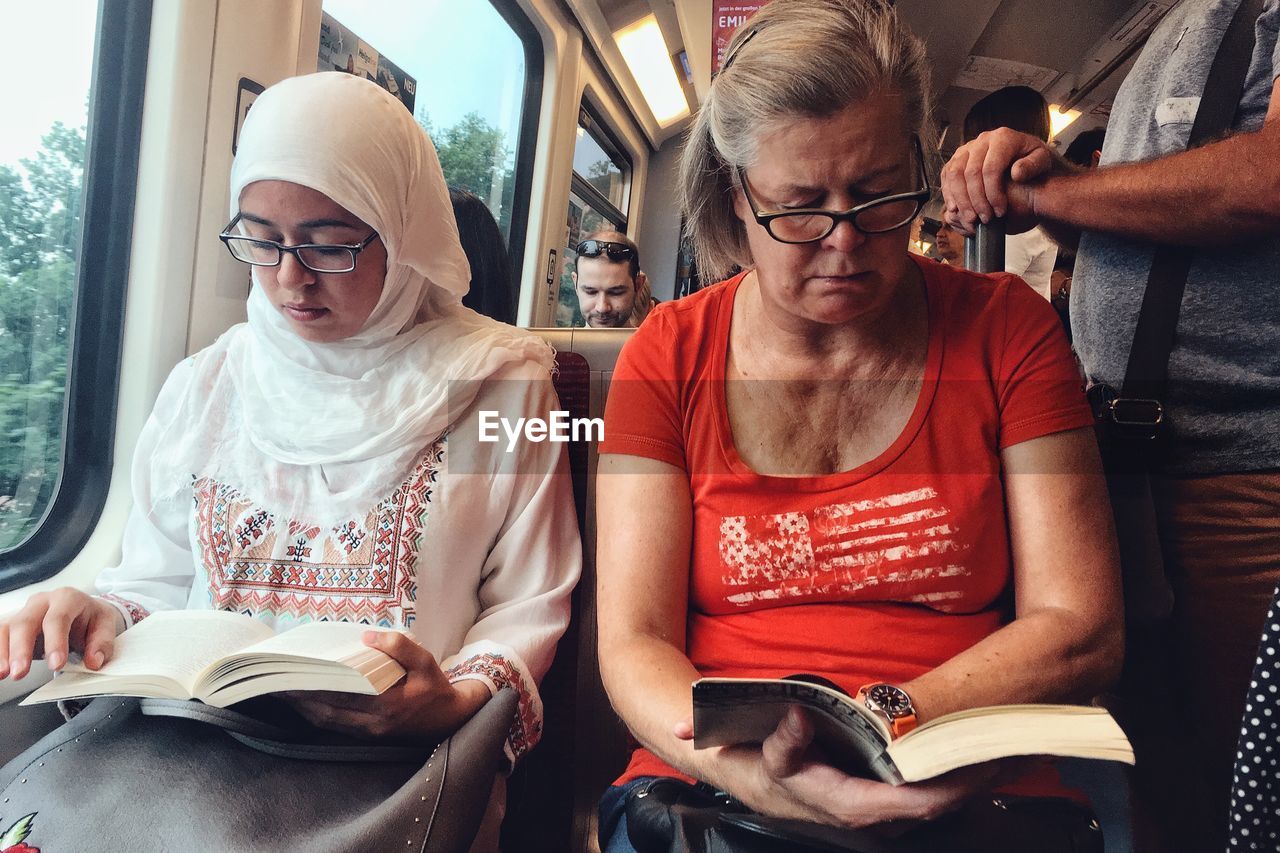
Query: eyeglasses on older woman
{"points": [[877, 216]]}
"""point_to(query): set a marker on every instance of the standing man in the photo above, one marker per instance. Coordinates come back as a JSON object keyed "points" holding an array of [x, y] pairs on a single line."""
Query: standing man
{"points": [[612, 291], [1217, 480]]}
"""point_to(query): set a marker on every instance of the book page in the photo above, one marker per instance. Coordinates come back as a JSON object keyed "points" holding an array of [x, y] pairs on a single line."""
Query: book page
{"points": [[338, 642], [314, 656], [984, 734], [179, 644]]}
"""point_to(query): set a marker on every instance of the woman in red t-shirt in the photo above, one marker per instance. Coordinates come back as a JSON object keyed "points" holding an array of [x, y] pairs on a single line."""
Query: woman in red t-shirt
{"points": [[846, 460]]}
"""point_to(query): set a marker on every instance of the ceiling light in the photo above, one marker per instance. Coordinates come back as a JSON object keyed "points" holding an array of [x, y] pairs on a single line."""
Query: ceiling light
{"points": [[646, 54], [1060, 121]]}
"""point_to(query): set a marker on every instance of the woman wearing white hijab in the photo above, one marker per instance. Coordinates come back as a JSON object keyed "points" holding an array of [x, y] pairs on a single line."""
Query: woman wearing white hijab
{"points": [[322, 460]]}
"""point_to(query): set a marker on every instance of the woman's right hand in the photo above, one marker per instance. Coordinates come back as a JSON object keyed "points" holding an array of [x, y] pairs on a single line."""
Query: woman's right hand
{"points": [[791, 783], [52, 625]]}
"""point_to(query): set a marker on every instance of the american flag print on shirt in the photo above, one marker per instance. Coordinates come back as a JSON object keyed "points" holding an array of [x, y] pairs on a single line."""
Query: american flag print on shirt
{"points": [[899, 547]]}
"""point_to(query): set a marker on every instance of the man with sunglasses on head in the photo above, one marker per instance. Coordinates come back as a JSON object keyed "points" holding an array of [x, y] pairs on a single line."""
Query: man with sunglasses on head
{"points": [[612, 291]]}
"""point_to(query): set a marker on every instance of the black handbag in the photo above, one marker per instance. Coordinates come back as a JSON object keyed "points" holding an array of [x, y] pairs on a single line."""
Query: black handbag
{"points": [[158, 774], [670, 816]]}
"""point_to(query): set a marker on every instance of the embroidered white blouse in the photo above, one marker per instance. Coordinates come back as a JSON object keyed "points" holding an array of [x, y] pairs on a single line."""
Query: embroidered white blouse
{"points": [[476, 552]]}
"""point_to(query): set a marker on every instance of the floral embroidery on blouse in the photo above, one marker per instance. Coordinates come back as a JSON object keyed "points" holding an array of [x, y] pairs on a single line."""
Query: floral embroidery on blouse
{"points": [[362, 570], [526, 728], [136, 612]]}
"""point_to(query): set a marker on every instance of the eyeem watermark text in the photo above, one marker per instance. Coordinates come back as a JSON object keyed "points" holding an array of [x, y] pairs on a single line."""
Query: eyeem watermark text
{"points": [[560, 427]]}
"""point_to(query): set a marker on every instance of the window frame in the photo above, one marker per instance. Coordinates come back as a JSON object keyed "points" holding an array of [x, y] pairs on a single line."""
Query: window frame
{"points": [[608, 141], [527, 141], [109, 189]]}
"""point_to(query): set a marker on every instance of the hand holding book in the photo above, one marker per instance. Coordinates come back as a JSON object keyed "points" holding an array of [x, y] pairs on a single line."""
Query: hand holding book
{"points": [[422, 705], [732, 711], [780, 778]]}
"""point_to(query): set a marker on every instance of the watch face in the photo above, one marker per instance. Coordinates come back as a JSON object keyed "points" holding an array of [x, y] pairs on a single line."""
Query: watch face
{"points": [[894, 701]]}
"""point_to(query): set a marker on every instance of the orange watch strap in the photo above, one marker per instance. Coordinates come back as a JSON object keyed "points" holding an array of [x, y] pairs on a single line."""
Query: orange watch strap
{"points": [[901, 725]]}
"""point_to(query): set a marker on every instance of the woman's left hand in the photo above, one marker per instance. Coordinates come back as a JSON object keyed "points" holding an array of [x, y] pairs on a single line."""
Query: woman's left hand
{"points": [[423, 704]]}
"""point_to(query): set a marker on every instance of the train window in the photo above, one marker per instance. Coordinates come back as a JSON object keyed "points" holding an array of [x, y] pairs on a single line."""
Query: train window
{"points": [[600, 163], [68, 166], [473, 74], [598, 199]]}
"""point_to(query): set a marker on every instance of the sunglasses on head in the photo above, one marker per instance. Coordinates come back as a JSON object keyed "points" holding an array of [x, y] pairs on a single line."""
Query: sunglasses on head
{"points": [[614, 251]]}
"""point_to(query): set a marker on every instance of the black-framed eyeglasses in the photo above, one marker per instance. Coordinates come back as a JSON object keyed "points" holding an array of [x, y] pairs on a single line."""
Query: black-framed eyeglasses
{"points": [[810, 224], [317, 257], [614, 251]]}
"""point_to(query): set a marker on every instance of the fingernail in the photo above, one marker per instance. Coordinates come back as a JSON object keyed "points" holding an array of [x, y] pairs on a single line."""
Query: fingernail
{"points": [[1000, 212], [56, 660], [793, 723], [986, 218], [372, 636], [96, 659]]}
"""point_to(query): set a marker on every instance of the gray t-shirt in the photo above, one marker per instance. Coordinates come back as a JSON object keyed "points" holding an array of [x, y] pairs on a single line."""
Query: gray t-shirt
{"points": [[1224, 395]]}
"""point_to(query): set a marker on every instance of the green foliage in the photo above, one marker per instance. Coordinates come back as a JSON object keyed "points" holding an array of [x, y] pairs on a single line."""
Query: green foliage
{"points": [[602, 175], [18, 244], [472, 154], [474, 157], [568, 312], [39, 240]]}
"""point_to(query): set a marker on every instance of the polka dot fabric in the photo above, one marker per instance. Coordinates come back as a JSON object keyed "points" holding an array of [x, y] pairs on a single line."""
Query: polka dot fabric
{"points": [[1255, 791]]}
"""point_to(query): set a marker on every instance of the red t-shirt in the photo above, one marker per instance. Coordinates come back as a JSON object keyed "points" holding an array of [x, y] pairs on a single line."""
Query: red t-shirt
{"points": [[880, 573]]}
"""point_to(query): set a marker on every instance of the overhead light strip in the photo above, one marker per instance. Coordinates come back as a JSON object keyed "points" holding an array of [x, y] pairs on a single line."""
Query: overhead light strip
{"points": [[1060, 120], [646, 55]]}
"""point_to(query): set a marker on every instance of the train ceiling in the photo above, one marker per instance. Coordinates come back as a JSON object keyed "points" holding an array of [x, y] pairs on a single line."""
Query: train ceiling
{"points": [[1054, 45]]}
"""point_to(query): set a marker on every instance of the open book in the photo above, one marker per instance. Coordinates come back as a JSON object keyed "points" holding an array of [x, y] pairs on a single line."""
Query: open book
{"points": [[222, 658], [747, 710]]}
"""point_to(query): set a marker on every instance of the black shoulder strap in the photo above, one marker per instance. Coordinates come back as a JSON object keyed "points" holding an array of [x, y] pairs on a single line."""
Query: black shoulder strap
{"points": [[1147, 374]]}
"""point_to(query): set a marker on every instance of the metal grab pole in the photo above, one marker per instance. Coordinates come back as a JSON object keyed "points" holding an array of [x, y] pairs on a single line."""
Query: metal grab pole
{"points": [[984, 252]]}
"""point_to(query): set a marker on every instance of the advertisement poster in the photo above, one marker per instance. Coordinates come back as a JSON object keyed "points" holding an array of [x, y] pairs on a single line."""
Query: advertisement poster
{"points": [[342, 50], [727, 16]]}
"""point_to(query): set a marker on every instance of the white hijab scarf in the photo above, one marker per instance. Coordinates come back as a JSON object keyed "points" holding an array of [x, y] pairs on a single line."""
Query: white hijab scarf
{"points": [[319, 433]]}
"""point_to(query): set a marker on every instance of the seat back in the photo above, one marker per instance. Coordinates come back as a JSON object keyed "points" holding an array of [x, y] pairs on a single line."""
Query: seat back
{"points": [[552, 795]]}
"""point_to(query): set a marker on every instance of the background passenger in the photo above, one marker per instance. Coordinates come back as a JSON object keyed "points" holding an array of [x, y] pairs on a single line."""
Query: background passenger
{"points": [[493, 288], [950, 246], [318, 435], [1086, 149], [1217, 462], [644, 301], [853, 462], [1030, 253], [609, 282]]}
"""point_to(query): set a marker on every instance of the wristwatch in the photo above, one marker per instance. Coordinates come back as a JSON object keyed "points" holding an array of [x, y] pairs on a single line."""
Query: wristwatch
{"points": [[891, 704]]}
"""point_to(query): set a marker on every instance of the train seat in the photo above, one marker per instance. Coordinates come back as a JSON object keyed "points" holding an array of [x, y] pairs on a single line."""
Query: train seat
{"points": [[552, 795]]}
